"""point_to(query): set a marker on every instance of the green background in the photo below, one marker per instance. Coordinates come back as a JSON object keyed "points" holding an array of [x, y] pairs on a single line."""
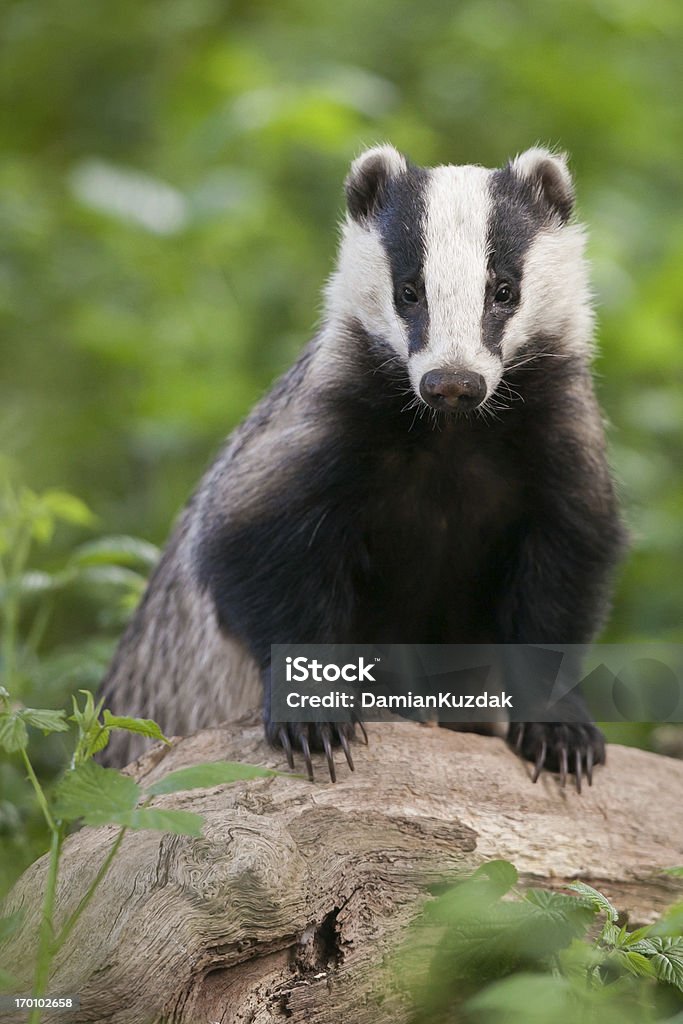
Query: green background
{"points": [[170, 188]]}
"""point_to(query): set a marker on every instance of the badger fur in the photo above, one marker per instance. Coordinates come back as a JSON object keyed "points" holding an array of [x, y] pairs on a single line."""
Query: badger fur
{"points": [[432, 469]]}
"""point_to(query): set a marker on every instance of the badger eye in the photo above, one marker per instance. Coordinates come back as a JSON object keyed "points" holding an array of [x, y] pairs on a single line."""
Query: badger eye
{"points": [[408, 293], [503, 294]]}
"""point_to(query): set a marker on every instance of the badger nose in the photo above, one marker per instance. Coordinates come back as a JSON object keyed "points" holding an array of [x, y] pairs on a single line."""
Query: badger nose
{"points": [[453, 389]]}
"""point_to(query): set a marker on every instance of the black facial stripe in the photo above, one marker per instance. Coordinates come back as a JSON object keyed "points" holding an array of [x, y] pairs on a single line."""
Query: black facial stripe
{"points": [[401, 223], [516, 216]]}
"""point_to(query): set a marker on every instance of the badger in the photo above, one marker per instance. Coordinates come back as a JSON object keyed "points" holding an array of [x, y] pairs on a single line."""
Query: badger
{"points": [[432, 469]]}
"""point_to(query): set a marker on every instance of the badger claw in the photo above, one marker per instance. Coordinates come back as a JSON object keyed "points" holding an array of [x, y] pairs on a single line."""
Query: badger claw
{"points": [[306, 750], [567, 748], [284, 741], [323, 736]]}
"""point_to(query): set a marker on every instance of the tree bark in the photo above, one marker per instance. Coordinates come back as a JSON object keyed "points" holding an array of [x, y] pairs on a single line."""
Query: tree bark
{"points": [[297, 893]]}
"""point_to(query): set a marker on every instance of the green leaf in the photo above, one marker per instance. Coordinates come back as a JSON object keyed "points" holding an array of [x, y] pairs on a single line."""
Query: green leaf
{"points": [[639, 935], [32, 584], [128, 551], [48, 721], [569, 914], [667, 959], [501, 873], [143, 726], [600, 902], [68, 508], [676, 872], [112, 576], [524, 997], [633, 962], [182, 823], [203, 776], [95, 794], [13, 733]]}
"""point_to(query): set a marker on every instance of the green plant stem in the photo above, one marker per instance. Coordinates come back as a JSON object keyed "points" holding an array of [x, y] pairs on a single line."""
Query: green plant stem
{"points": [[39, 793], [45, 936], [21, 547], [69, 925]]}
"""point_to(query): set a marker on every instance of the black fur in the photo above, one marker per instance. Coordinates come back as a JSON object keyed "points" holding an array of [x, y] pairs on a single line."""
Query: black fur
{"points": [[400, 529], [401, 223], [358, 517]]}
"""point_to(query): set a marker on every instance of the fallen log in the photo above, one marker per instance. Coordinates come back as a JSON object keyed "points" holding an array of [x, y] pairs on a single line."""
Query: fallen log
{"points": [[297, 893]]}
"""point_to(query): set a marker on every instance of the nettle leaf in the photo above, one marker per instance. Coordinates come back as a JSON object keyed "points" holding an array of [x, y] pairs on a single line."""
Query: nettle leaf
{"points": [[143, 726], [182, 823], [97, 740], [203, 776], [128, 551], [48, 721], [632, 939], [13, 733], [667, 960], [95, 794], [633, 963], [571, 914], [596, 898]]}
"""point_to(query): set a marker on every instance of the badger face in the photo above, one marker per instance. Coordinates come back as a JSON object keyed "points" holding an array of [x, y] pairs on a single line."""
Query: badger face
{"points": [[458, 270]]}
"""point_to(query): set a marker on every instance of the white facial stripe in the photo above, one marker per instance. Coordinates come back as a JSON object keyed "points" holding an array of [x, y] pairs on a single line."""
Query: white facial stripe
{"points": [[555, 294], [458, 205], [361, 287]]}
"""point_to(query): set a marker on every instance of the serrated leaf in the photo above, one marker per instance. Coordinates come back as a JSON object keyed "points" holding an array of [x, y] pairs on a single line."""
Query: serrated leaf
{"points": [[633, 963], [639, 935], [143, 726], [668, 959], [48, 721], [128, 551], [596, 898], [203, 776], [182, 823], [13, 733], [95, 794], [563, 911]]}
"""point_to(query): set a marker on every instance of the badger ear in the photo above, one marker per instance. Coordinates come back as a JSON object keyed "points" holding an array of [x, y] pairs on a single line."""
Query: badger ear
{"points": [[366, 184], [549, 175]]}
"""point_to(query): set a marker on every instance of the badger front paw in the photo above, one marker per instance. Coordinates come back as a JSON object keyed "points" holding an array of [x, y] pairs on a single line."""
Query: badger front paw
{"points": [[560, 747], [308, 736]]}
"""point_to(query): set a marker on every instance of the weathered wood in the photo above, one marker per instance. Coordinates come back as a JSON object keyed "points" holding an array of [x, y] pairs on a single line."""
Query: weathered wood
{"points": [[296, 893]]}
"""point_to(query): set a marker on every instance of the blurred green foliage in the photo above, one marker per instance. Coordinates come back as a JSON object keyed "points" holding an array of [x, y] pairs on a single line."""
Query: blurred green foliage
{"points": [[485, 953], [169, 193]]}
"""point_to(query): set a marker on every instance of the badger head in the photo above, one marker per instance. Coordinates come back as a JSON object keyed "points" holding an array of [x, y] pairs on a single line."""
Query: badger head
{"points": [[459, 271]]}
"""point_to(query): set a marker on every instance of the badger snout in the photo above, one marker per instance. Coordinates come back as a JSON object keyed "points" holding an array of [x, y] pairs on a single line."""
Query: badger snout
{"points": [[452, 390]]}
